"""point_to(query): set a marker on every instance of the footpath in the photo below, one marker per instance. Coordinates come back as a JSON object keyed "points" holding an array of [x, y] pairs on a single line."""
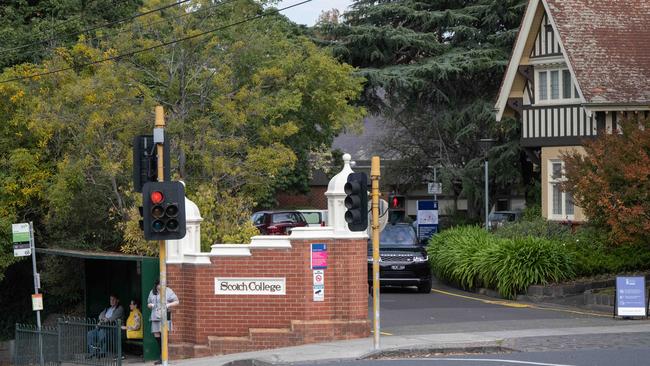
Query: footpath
{"points": [[571, 334]]}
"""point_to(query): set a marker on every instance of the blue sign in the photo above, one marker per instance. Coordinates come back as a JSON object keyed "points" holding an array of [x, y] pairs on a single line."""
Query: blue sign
{"points": [[427, 219], [630, 296]]}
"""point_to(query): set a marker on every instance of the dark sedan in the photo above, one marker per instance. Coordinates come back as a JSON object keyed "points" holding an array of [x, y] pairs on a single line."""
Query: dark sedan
{"points": [[403, 261], [277, 222]]}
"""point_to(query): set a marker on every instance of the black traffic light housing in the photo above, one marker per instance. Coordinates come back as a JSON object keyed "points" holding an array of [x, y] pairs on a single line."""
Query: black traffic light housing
{"points": [[164, 210], [356, 201], [145, 161]]}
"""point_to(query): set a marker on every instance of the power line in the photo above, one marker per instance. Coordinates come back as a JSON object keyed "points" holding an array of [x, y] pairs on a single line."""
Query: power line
{"points": [[164, 44], [201, 10], [94, 27]]}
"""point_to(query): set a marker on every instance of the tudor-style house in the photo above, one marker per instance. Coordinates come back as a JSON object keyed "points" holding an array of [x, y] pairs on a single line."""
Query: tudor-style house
{"points": [[578, 67]]}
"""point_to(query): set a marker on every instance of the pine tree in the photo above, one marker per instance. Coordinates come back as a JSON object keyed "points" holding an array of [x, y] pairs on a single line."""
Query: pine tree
{"points": [[434, 68]]}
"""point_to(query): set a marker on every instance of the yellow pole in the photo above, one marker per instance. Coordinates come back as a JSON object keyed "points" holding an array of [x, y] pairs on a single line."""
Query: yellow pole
{"points": [[160, 123], [374, 177]]}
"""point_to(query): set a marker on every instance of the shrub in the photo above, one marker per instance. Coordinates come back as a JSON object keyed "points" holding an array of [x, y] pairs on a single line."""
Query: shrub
{"points": [[517, 263], [472, 257], [537, 227]]}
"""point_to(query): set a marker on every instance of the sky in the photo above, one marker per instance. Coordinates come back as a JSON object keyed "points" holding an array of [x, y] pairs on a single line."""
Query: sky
{"points": [[308, 13]]}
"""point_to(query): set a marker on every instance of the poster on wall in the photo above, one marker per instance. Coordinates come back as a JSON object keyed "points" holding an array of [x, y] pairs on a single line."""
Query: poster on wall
{"points": [[319, 256]]}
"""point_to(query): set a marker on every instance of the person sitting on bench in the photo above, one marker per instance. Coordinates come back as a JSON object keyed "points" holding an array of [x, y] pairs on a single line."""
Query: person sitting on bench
{"points": [[133, 327], [97, 337]]}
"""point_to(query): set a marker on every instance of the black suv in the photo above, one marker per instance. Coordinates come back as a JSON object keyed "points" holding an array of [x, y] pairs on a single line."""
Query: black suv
{"points": [[403, 261]]}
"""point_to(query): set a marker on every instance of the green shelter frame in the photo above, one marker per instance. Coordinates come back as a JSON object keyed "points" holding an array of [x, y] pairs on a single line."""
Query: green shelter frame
{"points": [[128, 276]]}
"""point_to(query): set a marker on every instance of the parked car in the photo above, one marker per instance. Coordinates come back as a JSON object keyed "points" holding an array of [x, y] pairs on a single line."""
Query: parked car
{"points": [[314, 217], [403, 260], [277, 222], [496, 219]]}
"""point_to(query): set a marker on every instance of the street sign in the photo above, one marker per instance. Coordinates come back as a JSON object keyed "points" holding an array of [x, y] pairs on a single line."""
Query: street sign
{"points": [[630, 296], [21, 239], [37, 302], [427, 218], [319, 285], [434, 188]]}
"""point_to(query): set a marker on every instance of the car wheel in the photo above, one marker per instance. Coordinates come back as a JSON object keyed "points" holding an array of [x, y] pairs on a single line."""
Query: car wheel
{"points": [[425, 288]]}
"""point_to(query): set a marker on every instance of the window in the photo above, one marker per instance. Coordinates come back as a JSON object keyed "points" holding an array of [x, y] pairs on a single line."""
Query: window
{"points": [[543, 87], [556, 86], [560, 202], [566, 84]]}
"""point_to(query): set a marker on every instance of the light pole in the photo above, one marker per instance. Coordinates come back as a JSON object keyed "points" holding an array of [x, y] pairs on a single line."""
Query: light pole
{"points": [[485, 145]]}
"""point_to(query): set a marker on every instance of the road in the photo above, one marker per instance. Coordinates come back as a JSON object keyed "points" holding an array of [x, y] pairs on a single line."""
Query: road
{"points": [[404, 311], [591, 357]]}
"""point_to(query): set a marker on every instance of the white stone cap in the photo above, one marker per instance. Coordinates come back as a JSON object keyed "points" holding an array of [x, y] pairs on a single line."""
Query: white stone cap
{"points": [[337, 183]]}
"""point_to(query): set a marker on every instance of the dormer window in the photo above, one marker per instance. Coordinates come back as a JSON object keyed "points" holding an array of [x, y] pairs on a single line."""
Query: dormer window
{"points": [[555, 86]]}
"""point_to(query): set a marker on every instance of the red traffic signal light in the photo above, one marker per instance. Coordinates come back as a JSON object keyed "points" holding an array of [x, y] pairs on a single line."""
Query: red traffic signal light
{"points": [[157, 197], [164, 210]]}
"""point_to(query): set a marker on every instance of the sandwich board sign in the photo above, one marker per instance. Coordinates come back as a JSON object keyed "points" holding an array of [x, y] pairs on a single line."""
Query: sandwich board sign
{"points": [[630, 296], [427, 219]]}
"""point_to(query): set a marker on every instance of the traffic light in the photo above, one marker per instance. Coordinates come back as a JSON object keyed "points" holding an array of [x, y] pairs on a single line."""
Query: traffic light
{"points": [[145, 161], [396, 202], [396, 208], [356, 202], [164, 210]]}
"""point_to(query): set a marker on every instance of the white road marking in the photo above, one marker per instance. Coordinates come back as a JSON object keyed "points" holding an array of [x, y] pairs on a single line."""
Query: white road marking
{"points": [[496, 360]]}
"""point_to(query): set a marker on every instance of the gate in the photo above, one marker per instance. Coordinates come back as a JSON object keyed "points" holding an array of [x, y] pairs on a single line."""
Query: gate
{"points": [[73, 341]]}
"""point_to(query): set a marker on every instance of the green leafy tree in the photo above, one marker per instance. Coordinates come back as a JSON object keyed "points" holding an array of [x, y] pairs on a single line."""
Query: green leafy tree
{"points": [[433, 69], [31, 30]]}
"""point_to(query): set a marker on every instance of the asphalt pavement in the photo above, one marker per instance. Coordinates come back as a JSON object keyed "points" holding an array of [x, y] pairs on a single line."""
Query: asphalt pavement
{"points": [[449, 321]]}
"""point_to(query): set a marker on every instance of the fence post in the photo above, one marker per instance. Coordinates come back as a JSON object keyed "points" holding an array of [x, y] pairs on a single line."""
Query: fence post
{"points": [[16, 342], [119, 342], [58, 341]]}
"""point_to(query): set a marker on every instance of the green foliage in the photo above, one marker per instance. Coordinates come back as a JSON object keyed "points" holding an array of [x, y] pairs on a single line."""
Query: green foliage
{"points": [[226, 218], [537, 227], [472, 257], [433, 68], [56, 21]]}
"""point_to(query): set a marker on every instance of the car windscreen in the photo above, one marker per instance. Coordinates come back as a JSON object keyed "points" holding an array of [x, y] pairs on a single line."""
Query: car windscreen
{"points": [[287, 217], [312, 217], [397, 235]]}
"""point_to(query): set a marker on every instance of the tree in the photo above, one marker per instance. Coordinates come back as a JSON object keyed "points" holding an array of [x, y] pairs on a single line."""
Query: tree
{"points": [[611, 181], [31, 30], [245, 106], [433, 68]]}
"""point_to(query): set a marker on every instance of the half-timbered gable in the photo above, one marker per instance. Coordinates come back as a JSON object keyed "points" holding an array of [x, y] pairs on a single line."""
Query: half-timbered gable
{"points": [[577, 69]]}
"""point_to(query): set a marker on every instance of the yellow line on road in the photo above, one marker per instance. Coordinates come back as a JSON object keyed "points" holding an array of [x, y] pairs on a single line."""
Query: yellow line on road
{"points": [[514, 304], [381, 333]]}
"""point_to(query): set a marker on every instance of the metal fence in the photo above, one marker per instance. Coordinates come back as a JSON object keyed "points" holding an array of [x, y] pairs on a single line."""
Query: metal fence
{"points": [[29, 343], [73, 341]]}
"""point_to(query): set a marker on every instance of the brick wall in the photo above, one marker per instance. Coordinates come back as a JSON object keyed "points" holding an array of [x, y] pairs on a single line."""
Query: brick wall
{"points": [[208, 324], [314, 199]]}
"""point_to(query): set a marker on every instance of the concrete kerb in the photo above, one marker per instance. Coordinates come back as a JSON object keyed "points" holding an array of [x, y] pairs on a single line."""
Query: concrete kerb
{"points": [[414, 345]]}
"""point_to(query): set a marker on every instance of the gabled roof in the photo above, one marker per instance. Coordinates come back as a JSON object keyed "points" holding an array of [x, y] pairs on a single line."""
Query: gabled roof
{"points": [[607, 46]]}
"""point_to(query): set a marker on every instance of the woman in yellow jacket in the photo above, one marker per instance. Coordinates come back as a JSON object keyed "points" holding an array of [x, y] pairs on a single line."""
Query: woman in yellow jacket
{"points": [[134, 329]]}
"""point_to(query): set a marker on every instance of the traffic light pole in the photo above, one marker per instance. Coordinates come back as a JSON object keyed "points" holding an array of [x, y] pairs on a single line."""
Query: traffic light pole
{"points": [[374, 177], [160, 123]]}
